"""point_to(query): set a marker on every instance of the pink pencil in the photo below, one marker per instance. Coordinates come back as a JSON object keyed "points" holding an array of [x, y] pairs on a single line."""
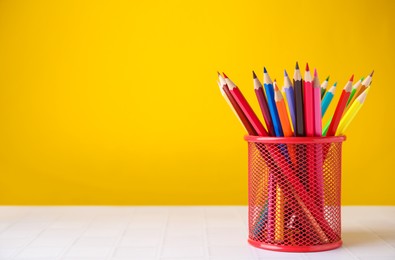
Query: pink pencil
{"points": [[240, 99], [308, 102]]}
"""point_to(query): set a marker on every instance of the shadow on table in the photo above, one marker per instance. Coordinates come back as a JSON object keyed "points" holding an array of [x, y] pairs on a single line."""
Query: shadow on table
{"points": [[359, 238]]}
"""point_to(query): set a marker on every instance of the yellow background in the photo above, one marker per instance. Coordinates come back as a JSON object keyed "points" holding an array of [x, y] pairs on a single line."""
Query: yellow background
{"points": [[116, 102]]}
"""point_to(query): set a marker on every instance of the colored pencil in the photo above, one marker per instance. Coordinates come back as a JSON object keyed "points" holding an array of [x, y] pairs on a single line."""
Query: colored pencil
{"points": [[341, 105], [234, 106], [267, 82], [245, 107], [351, 113], [285, 123], [364, 85], [326, 127], [263, 104], [237, 111], [318, 160], [354, 89], [279, 222], [308, 105], [282, 111], [317, 105], [323, 87], [289, 93], [298, 87], [328, 99]]}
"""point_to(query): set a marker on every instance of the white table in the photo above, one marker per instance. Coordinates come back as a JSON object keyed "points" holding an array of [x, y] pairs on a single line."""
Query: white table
{"points": [[171, 233]]}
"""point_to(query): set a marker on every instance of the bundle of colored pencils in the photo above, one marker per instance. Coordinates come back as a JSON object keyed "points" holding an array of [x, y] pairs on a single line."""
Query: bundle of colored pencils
{"points": [[301, 113]]}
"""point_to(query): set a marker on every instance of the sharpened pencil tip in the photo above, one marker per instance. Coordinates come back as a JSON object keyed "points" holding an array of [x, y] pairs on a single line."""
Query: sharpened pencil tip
{"points": [[352, 78], [307, 67], [327, 78], [371, 74], [224, 75], [335, 84], [253, 75], [275, 85], [264, 70], [285, 73], [297, 66], [219, 74], [315, 73], [362, 78]]}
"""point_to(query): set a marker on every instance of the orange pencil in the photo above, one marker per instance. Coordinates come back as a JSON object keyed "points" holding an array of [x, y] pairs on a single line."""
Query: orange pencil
{"points": [[282, 111]]}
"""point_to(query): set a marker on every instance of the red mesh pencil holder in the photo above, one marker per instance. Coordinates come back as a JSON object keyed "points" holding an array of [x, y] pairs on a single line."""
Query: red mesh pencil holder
{"points": [[294, 193]]}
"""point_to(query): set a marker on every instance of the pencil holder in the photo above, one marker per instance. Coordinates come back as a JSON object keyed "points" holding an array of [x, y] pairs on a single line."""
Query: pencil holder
{"points": [[294, 193]]}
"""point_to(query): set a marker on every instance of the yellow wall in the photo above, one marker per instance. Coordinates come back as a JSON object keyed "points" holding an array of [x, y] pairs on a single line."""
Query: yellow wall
{"points": [[116, 102]]}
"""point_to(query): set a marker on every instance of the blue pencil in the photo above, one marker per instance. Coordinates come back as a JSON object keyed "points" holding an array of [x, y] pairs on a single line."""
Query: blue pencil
{"points": [[289, 93], [327, 99], [272, 104]]}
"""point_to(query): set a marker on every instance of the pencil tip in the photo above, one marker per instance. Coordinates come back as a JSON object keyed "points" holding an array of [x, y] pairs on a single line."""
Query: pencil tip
{"points": [[253, 75], [307, 67], [285, 73], [219, 74], [275, 85], [335, 84], [327, 78], [315, 73], [362, 78], [352, 78], [224, 75], [297, 66], [264, 70], [371, 74]]}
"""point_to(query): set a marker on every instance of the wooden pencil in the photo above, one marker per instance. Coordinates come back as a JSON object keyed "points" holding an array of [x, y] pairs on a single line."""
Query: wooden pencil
{"points": [[317, 105], [354, 89], [267, 82], [326, 101], [245, 107], [234, 106], [263, 104], [364, 85], [298, 87], [323, 87], [341, 105], [351, 113], [282, 112], [308, 105], [290, 95]]}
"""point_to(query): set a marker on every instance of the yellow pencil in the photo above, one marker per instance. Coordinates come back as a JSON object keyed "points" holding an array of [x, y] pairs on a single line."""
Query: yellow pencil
{"points": [[352, 112]]}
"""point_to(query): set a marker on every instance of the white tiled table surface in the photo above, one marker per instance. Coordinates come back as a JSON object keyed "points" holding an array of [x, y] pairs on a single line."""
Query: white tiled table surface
{"points": [[172, 233]]}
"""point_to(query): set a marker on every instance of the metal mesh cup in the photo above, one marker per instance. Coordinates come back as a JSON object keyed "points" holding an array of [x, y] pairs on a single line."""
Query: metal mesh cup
{"points": [[294, 193]]}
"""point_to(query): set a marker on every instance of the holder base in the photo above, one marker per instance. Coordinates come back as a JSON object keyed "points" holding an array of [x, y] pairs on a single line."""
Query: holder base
{"points": [[305, 249]]}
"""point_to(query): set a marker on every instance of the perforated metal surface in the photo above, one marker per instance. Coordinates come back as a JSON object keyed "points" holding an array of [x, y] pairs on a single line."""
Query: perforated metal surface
{"points": [[294, 194]]}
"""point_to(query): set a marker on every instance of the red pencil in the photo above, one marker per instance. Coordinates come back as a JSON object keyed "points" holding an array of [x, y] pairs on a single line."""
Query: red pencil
{"points": [[235, 107], [308, 103], [341, 105], [242, 102], [263, 104]]}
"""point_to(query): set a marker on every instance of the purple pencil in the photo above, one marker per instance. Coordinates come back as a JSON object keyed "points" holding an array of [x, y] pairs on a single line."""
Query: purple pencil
{"points": [[289, 93]]}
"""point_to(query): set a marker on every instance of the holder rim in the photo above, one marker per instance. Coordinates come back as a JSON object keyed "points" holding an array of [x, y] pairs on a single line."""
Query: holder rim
{"points": [[294, 140]]}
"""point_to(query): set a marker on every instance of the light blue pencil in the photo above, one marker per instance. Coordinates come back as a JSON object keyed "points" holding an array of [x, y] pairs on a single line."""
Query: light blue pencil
{"points": [[272, 104], [289, 93], [326, 101]]}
